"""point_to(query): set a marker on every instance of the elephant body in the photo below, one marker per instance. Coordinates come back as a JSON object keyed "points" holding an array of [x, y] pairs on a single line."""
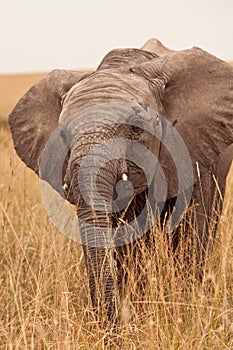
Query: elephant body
{"points": [[187, 93]]}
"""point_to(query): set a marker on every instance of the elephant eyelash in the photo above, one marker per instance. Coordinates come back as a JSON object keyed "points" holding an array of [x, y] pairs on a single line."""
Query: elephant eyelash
{"points": [[137, 129], [137, 126]]}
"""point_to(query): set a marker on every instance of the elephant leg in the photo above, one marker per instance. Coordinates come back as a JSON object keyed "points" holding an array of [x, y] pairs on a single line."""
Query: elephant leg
{"points": [[208, 198]]}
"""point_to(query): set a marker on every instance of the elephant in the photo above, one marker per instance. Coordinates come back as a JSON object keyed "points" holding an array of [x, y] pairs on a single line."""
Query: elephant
{"points": [[152, 94]]}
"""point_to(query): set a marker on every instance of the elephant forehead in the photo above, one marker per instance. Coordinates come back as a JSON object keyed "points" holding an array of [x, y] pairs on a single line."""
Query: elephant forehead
{"points": [[107, 87]]}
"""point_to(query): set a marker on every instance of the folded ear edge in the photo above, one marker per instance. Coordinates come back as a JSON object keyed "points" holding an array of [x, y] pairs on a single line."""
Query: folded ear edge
{"points": [[36, 114]]}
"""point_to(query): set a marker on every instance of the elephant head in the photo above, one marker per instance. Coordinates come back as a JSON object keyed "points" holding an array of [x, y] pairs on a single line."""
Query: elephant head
{"points": [[191, 89]]}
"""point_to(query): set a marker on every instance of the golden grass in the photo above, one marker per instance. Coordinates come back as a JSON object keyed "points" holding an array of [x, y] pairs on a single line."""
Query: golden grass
{"points": [[12, 87], [45, 302]]}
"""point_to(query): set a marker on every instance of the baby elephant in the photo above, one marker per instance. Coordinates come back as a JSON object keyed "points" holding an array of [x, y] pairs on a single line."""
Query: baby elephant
{"points": [[143, 139]]}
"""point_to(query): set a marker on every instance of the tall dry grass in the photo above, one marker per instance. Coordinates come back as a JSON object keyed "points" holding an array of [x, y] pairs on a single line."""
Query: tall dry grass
{"points": [[44, 298], [45, 302]]}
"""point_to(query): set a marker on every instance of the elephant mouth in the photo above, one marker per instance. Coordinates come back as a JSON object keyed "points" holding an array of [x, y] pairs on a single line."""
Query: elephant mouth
{"points": [[137, 177], [131, 181]]}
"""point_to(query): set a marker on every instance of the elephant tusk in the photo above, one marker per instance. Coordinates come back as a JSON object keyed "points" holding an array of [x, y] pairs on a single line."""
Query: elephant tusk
{"points": [[65, 187], [124, 177]]}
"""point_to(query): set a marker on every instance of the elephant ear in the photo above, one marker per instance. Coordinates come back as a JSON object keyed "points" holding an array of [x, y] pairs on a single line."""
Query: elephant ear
{"points": [[196, 92], [36, 114]]}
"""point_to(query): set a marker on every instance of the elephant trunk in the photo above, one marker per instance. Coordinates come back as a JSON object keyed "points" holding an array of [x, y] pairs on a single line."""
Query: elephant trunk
{"points": [[94, 193], [100, 263], [102, 275]]}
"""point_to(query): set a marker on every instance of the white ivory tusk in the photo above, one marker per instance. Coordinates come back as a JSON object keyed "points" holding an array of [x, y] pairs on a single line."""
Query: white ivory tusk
{"points": [[65, 187], [124, 177]]}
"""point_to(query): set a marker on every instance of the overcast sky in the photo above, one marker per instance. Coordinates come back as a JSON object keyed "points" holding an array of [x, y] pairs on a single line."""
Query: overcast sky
{"points": [[70, 34]]}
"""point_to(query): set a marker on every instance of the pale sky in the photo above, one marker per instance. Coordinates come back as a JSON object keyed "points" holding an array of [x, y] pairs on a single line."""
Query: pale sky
{"points": [[71, 34]]}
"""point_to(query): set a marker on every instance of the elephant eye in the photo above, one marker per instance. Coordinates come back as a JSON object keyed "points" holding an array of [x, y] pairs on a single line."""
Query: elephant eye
{"points": [[137, 126]]}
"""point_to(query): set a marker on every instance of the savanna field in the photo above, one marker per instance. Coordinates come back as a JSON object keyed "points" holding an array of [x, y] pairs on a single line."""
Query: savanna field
{"points": [[44, 294]]}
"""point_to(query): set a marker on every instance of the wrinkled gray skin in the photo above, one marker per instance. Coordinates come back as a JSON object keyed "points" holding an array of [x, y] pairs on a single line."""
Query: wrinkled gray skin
{"points": [[191, 88]]}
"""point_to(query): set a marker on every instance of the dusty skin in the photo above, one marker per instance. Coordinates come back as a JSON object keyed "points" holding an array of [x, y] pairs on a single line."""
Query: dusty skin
{"points": [[44, 298], [162, 117]]}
